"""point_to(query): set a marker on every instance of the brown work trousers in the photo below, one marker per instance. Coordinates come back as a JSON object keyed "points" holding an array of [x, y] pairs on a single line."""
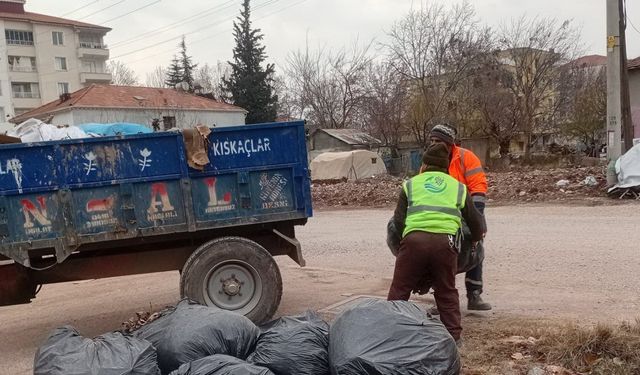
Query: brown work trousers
{"points": [[424, 255]]}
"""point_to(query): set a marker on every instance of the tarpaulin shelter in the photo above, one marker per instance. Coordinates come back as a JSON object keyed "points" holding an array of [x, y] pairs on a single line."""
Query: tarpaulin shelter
{"points": [[352, 165]]}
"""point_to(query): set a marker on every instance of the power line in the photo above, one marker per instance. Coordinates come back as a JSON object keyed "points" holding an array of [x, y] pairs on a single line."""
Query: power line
{"points": [[103, 9], [112, 5], [77, 9], [130, 12], [162, 29], [214, 35], [632, 25], [268, 2]]}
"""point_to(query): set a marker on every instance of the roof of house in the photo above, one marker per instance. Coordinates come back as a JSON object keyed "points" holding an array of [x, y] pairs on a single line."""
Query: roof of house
{"points": [[128, 97], [590, 60], [42, 18], [352, 136], [633, 64]]}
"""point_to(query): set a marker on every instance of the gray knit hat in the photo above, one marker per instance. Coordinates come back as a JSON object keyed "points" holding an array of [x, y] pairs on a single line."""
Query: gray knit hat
{"points": [[445, 133]]}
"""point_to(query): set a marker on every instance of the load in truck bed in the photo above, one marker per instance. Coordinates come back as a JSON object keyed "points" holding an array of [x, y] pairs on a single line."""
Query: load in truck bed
{"points": [[93, 195]]}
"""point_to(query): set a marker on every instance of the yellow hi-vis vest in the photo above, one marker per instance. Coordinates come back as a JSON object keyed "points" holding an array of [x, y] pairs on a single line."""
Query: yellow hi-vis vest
{"points": [[435, 200]]}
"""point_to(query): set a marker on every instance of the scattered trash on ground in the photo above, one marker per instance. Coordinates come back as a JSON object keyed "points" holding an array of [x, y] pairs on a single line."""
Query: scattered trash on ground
{"points": [[522, 185]]}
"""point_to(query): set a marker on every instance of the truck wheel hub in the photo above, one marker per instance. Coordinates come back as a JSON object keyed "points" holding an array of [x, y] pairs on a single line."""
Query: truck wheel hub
{"points": [[231, 286]]}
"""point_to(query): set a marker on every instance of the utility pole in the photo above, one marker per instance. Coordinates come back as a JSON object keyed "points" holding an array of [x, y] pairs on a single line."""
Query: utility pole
{"points": [[618, 108]]}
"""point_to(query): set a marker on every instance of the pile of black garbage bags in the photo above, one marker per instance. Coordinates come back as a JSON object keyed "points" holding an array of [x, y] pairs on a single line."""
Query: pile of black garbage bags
{"points": [[372, 337]]}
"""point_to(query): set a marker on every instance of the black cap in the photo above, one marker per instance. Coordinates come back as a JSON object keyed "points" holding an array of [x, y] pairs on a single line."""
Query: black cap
{"points": [[436, 155]]}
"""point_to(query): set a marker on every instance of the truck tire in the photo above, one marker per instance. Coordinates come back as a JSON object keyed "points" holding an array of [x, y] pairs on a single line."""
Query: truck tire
{"points": [[16, 285], [235, 274]]}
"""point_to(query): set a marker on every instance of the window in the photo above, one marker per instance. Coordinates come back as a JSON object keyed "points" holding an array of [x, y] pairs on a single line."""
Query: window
{"points": [[19, 37], [169, 122], [22, 64], [63, 88], [90, 67], [27, 90], [61, 63], [58, 38]]}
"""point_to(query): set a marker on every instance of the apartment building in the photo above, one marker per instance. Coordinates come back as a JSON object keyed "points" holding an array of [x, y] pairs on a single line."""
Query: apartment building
{"points": [[43, 57]]}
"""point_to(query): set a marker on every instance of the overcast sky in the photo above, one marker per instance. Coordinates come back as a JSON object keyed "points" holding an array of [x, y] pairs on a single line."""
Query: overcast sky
{"points": [[288, 24]]}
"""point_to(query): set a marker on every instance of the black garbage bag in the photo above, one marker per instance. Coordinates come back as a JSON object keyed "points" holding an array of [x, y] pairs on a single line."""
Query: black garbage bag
{"points": [[220, 364], [294, 345], [390, 337], [190, 331], [67, 353], [468, 256]]}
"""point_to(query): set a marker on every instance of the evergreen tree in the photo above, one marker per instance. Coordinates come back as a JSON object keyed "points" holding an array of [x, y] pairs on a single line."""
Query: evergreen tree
{"points": [[188, 67], [174, 73], [250, 86]]}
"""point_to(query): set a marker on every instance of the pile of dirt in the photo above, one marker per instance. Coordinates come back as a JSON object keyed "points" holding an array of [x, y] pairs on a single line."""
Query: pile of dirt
{"points": [[535, 185], [522, 185], [379, 191]]}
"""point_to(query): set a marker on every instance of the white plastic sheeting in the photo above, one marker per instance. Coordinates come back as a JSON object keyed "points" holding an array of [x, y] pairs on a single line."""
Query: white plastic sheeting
{"points": [[352, 165], [34, 130], [628, 169]]}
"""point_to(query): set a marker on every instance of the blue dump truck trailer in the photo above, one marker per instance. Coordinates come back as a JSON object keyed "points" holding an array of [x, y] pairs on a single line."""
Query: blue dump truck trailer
{"points": [[113, 206]]}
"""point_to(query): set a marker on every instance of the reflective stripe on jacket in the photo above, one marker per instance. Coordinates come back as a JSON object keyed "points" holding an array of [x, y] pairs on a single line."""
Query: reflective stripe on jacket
{"points": [[466, 167], [434, 203]]}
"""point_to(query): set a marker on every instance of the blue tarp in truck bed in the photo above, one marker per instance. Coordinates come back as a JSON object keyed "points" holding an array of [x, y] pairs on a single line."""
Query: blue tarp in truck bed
{"points": [[63, 194]]}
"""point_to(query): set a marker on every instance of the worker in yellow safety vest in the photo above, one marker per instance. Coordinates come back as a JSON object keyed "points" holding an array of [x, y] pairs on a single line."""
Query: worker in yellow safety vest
{"points": [[429, 214]]}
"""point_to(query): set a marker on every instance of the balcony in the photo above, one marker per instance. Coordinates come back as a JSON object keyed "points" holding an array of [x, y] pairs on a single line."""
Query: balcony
{"points": [[19, 42], [92, 50], [26, 95], [27, 102], [89, 77], [23, 69]]}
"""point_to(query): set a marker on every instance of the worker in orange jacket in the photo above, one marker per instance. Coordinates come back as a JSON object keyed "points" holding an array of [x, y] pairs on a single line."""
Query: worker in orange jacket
{"points": [[465, 167]]}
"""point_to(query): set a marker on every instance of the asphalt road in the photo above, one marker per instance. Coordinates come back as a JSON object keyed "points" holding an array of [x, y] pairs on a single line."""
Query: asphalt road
{"points": [[564, 262]]}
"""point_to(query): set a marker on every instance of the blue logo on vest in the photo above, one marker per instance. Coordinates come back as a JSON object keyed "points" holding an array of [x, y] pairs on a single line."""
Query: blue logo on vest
{"points": [[435, 184]]}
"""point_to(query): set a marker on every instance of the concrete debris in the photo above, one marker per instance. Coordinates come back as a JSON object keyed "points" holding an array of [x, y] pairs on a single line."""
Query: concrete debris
{"points": [[526, 185], [590, 181], [563, 183]]}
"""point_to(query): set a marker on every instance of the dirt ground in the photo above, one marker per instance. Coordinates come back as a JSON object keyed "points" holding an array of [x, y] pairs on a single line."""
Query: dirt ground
{"points": [[560, 263]]}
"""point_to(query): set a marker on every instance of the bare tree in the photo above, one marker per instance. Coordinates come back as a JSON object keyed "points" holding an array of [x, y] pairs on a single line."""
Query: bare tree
{"points": [[156, 78], [499, 109], [534, 49], [385, 105], [121, 74], [328, 87], [584, 116], [435, 49], [210, 78]]}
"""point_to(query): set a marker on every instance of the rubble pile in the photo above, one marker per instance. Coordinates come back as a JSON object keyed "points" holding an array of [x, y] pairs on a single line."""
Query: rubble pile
{"points": [[522, 185], [377, 191], [536, 185]]}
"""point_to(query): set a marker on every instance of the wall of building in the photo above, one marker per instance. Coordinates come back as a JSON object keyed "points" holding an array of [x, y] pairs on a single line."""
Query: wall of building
{"points": [[46, 52], [45, 75], [6, 106], [184, 119]]}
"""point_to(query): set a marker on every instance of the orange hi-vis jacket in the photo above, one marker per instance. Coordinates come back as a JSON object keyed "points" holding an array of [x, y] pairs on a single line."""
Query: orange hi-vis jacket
{"points": [[466, 167]]}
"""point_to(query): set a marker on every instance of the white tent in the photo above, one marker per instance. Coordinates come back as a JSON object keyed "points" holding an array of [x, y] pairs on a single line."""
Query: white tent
{"points": [[352, 165]]}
